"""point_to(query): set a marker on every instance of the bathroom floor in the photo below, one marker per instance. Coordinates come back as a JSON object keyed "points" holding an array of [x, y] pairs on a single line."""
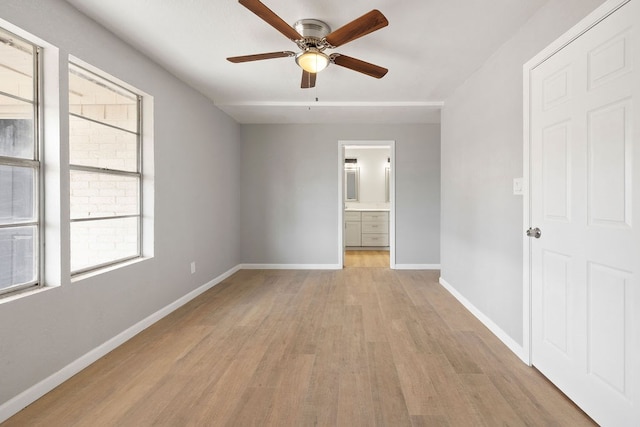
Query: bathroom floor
{"points": [[366, 259]]}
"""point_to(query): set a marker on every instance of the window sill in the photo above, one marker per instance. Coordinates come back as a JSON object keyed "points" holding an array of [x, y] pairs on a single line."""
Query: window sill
{"points": [[93, 273], [24, 293]]}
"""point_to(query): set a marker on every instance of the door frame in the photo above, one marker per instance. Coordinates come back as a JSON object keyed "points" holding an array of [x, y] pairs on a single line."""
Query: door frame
{"points": [[599, 14], [392, 195]]}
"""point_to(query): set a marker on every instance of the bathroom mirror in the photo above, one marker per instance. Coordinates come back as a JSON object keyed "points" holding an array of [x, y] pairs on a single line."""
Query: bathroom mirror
{"points": [[351, 184], [386, 184]]}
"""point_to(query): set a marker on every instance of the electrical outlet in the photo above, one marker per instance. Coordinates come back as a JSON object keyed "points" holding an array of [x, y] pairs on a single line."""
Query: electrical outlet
{"points": [[193, 267]]}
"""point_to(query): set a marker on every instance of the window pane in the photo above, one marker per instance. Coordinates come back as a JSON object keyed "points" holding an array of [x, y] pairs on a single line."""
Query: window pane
{"points": [[17, 256], [103, 241], [16, 66], [101, 194], [93, 144], [16, 128], [17, 194], [93, 97], [104, 177]]}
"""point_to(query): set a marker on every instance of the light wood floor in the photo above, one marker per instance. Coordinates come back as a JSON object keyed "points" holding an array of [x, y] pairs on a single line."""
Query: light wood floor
{"points": [[357, 347], [368, 258]]}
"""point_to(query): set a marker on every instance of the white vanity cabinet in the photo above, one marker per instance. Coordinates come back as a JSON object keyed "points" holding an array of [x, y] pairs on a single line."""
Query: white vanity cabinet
{"points": [[375, 228], [352, 228], [366, 228]]}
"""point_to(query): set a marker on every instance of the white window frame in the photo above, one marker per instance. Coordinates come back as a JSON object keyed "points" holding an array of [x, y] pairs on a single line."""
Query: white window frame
{"points": [[92, 169], [36, 165]]}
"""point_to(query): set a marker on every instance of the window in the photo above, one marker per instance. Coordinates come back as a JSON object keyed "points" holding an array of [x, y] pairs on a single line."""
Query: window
{"points": [[105, 171], [19, 164]]}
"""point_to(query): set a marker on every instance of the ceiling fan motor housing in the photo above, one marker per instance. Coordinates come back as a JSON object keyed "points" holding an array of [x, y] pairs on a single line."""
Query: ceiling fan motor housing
{"points": [[313, 31]]}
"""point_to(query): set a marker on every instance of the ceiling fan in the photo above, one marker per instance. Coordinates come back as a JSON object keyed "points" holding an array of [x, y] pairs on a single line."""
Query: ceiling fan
{"points": [[313, 37]]}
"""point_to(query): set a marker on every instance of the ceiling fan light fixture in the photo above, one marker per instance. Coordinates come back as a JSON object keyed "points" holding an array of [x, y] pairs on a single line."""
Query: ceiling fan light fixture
{"points": [[312, 60]]}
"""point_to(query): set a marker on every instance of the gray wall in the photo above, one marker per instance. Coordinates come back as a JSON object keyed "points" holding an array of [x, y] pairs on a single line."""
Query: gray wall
{"points": [[289, 191], [197, 154], [481, 154]]}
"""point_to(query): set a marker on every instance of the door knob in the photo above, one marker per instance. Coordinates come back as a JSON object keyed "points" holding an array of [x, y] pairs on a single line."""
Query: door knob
{"points": [[534, 232]]}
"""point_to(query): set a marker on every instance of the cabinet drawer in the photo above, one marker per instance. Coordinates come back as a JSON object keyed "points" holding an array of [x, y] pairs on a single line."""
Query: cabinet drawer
{"points": [[375, 216], [375, 227], [375, 240], [351, 216]]}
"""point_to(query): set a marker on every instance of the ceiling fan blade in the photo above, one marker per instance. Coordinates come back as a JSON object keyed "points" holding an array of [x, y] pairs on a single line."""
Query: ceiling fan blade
{"points": [[308, 80], [260, 56], [359, 66], [269, 16], [367, 23]]}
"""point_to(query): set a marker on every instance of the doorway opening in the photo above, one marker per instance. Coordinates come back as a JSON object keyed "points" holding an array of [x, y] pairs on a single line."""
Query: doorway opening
{"points": [[366, 203]]}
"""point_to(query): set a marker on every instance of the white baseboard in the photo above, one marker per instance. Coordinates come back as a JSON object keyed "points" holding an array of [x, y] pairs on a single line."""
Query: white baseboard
{"points": [[16, 404], [417, 266], [330, 266], [291, 266], [495, 329]]}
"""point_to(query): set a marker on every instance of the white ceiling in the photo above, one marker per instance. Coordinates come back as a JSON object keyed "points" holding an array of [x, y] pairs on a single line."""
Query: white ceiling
{"points": [[430, 47]]}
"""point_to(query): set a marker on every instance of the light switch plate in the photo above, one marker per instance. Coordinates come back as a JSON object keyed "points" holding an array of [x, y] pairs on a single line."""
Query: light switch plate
{"points": [[517, 186]]}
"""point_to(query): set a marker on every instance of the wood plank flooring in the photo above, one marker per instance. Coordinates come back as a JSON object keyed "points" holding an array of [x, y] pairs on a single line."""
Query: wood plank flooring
{"points": [[356, 347], [366, 258]]}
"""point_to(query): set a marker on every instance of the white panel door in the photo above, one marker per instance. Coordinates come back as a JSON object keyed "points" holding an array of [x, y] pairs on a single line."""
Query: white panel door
{"points": [[585, 198]]}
